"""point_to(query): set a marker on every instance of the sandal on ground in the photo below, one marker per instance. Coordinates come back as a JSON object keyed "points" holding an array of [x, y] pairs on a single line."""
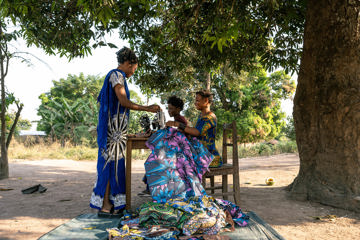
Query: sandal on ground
{"points": [[37, 188], [116, 214]]}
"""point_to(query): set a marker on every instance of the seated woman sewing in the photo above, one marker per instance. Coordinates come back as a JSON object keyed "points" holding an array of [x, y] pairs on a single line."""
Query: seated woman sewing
{"points": [[176, 164]]}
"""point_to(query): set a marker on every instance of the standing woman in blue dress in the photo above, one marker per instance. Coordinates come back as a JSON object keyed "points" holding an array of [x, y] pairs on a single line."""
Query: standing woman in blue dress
{"points": [[115, 105]]}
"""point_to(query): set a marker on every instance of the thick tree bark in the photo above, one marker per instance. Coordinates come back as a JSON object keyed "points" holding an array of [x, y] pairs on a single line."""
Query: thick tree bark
{"points": [[327, 106]]}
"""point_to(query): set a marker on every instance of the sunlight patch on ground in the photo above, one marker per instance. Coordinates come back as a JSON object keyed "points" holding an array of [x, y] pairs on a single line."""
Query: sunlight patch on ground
{"points": [[65, 164]]}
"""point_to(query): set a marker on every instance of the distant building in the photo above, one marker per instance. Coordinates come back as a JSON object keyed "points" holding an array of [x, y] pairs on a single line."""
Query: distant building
{"points": [[31, 136], [31, 133]]}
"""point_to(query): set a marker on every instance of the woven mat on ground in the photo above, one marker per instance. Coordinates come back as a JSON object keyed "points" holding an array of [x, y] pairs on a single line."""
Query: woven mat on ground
{"points": [[88, 226], [257, 229]]}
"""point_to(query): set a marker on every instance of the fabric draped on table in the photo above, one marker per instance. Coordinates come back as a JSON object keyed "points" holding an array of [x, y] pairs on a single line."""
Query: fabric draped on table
{"points": [[175, 165], [111, 139]]}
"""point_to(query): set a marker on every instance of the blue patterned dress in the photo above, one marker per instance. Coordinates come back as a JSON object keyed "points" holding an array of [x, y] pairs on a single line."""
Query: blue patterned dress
{"points": [[111, 130], [175, 166], [207, 127]]}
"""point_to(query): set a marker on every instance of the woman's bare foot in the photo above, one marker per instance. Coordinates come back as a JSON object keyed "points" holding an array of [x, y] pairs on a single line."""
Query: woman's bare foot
{"points": [[107, 207]]}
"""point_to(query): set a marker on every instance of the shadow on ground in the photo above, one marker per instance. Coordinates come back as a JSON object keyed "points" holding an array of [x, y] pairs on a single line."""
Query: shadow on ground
{"points": [[68, 191], [69, 186]]}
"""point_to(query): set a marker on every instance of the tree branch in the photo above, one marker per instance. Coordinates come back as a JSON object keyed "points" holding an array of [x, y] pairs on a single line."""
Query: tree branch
{"points": [[7, 63], [12, 130], [220, 92]]}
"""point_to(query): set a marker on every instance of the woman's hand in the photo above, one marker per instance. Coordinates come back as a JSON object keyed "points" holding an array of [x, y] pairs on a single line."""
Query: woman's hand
{"points": [[153, 108], [171, 124]]}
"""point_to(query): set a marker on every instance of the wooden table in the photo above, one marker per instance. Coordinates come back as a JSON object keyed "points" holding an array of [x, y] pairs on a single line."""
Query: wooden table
{"points": [[132, 143]]}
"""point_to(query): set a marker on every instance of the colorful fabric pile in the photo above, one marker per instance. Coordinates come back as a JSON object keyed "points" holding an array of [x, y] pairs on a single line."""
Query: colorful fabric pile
{"points": [[194, 217], [180, 207]]}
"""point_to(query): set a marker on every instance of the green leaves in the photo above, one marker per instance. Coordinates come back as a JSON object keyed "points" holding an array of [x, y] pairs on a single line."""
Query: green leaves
{"points": [[67, 28], [253, 100], [68, 122], [183, 36], [111, 45], [177, 41], [69, 111]]}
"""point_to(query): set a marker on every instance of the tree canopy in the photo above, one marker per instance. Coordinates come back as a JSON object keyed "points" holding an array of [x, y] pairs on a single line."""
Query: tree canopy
{"points": [[177, 41], [253, 99], [173, 38], [187, 38]]}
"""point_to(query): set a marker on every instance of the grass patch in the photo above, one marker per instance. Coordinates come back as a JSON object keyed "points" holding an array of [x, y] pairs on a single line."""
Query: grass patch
{"points": [[140, 154], [55, 151], [266, 149], [261, 149], [51, 151]]}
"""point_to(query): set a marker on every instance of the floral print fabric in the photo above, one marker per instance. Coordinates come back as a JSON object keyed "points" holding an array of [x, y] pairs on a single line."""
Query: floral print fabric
{"points": [[237, 215], [206, 216], [174, 173], [175, 166], [196, 215]]}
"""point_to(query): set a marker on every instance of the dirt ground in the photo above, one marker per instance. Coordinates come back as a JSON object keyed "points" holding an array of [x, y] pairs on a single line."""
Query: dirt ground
{"points": [[69, 184]]}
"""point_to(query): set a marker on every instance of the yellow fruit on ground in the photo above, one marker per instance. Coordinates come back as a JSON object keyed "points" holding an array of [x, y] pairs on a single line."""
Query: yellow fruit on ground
{"points": [[270, 181]]}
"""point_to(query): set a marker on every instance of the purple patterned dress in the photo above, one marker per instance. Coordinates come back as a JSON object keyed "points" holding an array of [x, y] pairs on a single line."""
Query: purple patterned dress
{"points": [[176, 165]]}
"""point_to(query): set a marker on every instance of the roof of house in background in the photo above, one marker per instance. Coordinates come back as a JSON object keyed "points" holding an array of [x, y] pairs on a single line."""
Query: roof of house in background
{"points": [[31, 133]]}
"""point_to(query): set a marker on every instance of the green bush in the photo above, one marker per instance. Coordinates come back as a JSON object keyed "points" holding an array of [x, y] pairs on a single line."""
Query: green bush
{"points": [[51, 151], [289, 129], [265, 149], [287, 147], [138, 154]]}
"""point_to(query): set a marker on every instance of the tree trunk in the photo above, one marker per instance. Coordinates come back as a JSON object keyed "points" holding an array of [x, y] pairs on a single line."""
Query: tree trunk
{"points": [[4, 165], [327, 106], [208, 81], [4, 64]]}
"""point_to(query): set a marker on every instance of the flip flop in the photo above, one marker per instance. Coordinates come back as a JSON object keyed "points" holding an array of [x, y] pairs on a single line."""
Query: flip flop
{"points": [[37, 188], [102, 214], [41, 189]]}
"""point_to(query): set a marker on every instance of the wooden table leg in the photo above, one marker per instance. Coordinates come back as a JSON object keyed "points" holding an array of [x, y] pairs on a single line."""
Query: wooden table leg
{"points": [[128, 174]]}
